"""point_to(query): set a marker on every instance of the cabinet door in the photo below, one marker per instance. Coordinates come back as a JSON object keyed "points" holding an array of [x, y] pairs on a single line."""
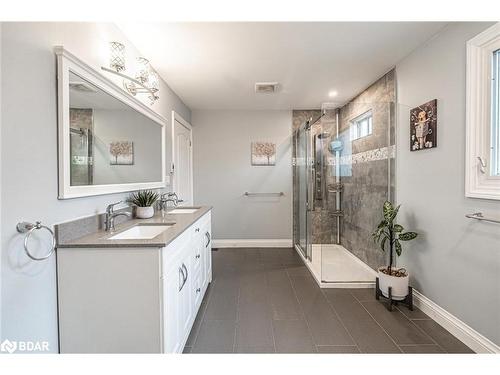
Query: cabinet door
{"points": [[207, 253], [173, 281], [185, 301]]}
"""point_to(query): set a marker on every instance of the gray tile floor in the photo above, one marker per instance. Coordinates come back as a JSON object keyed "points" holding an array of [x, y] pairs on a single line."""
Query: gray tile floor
{"points": [[265, 301]]}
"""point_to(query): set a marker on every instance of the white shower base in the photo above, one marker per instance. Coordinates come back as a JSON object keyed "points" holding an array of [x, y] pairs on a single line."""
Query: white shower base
{"points": [[333, 266]]}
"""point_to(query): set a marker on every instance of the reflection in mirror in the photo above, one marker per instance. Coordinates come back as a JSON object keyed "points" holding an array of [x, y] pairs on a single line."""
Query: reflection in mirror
{"points": [[110, 142]]}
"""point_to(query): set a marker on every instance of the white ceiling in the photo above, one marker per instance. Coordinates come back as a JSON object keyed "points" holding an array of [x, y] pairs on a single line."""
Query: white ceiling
{"points": [[215, 65]]}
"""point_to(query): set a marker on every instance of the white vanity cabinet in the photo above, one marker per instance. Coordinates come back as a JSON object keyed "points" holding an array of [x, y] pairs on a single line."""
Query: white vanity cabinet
{"points": [[188, 264], [133, 300]]}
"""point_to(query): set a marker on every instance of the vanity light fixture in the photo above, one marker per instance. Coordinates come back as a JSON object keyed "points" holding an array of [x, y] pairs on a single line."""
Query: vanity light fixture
{"points": [[117, 56], [146, 80]]}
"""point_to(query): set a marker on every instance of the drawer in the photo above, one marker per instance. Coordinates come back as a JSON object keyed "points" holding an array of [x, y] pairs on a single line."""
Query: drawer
{"points": [[176, 249], [202, 222], [197, 290], [195, 229], [197, 258]]}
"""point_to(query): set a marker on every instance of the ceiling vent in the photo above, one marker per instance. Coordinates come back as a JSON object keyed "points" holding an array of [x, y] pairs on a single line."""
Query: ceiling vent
{"points": [[266, 87], [81, 86]]}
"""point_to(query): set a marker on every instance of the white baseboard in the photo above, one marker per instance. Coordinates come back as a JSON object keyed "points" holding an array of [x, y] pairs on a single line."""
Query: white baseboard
{"points": [[455, 326], [252, 243]]}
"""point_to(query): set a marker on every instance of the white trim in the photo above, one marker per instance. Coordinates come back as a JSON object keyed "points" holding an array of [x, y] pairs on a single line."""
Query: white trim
{"points": [[1, 177], [455, 326], [177, 117], [67, 62], [478, 114], [252, 243]]}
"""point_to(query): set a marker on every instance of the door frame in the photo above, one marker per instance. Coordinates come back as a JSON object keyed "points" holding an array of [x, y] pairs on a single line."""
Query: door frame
{"points": [[177, 117]]}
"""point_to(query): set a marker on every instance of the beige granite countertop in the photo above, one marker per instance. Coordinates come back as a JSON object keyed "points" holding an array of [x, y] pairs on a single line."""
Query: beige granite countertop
{"points": [[100, 238]]}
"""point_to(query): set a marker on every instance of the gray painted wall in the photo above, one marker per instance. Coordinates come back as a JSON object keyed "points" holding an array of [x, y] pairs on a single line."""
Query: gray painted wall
{"points": [[222, 172], [29, 161], [456, 261]]}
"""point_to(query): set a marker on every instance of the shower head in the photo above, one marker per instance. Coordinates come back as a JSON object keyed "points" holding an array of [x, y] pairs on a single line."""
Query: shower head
{"points": [[336, 145]]}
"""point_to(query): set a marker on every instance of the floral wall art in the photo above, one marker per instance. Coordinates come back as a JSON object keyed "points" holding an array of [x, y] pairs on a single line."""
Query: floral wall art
{"points": [[423, 126], [263, 153], [121, 153]]}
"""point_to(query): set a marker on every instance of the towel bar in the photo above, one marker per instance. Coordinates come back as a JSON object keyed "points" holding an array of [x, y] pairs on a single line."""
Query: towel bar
{"points": [[479, 216], [247, 194]]}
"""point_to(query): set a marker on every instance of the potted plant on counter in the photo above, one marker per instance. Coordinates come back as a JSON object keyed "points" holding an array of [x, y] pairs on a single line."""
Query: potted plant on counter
{"points": [[389, 233], [144, 201]]}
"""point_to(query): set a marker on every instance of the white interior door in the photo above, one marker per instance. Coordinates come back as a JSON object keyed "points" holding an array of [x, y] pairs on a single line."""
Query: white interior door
{"points": [[182, 170]]}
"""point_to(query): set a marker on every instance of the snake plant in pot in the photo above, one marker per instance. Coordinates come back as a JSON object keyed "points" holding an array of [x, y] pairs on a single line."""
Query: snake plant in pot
{"points": [[144, 201], [390, 234]]}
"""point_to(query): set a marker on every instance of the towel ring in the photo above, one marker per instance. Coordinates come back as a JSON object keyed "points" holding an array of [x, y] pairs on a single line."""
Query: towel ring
{"points": [[28, 228]]}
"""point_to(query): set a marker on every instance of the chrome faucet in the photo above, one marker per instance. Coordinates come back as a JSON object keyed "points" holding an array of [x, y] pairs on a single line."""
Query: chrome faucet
{"points": [[109, 218], [168, 197]]}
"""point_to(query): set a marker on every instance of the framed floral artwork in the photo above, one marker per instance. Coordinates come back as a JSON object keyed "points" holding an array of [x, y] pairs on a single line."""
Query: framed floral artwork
{"points": [[121, 153], [263, 153]]}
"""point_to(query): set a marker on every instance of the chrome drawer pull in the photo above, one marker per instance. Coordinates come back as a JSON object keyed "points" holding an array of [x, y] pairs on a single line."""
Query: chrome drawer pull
{"points": [[208, 238], [185, 269], [183, 277]]}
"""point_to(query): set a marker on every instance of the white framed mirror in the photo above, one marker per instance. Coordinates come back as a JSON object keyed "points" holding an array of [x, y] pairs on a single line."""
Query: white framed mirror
{"points": [[108, 141]]}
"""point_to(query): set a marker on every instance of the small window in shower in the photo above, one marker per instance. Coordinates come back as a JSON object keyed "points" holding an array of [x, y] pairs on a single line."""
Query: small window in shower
{"points": [[362, 126]]}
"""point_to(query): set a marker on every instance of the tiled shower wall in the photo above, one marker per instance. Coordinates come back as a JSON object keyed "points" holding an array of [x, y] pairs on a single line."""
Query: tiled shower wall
{"points": [[371, 180], [372, 170]]}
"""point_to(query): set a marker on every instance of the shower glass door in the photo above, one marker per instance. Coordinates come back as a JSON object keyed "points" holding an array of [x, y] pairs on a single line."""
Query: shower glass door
{"points": [[303, 170]]}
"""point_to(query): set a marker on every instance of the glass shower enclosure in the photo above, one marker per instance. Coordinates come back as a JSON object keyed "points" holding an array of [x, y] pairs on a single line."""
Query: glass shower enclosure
{"points": [[344, 163]]}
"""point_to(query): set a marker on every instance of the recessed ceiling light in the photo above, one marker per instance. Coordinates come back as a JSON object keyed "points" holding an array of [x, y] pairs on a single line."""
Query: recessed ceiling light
{"points": [[333, 94]]}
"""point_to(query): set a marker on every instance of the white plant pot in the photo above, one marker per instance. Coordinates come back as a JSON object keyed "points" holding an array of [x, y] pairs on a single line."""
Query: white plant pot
{"points": [[144, 212], [399, 285]]}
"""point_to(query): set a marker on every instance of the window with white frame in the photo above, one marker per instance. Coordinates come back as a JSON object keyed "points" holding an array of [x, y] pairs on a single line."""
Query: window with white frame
{"points": [[482, 174], [495, 115], [362, 126]]}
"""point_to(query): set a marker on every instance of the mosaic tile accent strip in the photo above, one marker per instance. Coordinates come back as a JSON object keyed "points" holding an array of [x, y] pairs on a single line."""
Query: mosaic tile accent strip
{"points": [[362, 157]]}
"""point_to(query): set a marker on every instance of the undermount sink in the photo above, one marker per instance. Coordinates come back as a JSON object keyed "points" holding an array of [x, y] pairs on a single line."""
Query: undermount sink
{"points": [[142, 232], [181, 210]]}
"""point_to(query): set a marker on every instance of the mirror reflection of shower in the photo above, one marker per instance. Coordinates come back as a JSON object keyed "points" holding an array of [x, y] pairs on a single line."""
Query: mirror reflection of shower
{"points": [[81, 144]]}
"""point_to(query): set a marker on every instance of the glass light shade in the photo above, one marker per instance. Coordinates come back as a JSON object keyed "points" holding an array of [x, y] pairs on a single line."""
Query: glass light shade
{"points": [[153, 81], [117, 56], [143, 70]]}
